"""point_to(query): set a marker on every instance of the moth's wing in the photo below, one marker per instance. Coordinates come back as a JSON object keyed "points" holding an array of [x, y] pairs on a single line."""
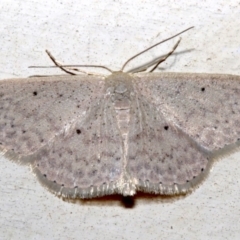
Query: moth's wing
{"points": [[205, 106], [161, 157], [66, 129], [34, 111], [85, 160], [182, 121]]}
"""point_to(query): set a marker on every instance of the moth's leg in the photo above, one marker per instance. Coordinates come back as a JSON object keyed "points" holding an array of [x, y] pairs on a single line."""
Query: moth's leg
{"points": [[60, 65], [166, 56], [70, 70]]}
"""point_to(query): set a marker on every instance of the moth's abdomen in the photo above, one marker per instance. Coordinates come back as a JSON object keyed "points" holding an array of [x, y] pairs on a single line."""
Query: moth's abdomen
{"points": [[122, 109]]}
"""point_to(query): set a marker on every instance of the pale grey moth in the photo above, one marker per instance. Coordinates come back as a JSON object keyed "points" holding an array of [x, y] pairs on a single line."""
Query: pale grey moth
{"points": [[87, 136]]}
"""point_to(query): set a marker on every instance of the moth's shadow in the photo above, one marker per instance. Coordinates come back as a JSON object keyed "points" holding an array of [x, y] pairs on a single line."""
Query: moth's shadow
{"points": [[126, 202], [154, 61]]}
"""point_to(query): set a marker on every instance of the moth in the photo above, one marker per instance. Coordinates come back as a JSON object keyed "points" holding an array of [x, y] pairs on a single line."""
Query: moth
{"points": [[87, 136]]}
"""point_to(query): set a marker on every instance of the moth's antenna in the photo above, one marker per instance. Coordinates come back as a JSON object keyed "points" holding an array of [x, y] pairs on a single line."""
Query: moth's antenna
{"points": [[130, 59], [71, 67]]}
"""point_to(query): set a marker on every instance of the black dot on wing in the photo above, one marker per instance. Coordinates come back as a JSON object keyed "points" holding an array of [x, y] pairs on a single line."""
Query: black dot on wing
{"points": [[35, 93], [78, 131], [203, 89], [166, 127]]}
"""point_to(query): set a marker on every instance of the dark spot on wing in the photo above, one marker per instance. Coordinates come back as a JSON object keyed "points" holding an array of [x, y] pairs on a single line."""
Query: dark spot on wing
{"points": [[78, 131]]}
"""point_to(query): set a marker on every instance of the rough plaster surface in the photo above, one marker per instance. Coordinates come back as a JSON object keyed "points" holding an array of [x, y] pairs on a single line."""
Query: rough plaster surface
{"points": [[108, 32]]}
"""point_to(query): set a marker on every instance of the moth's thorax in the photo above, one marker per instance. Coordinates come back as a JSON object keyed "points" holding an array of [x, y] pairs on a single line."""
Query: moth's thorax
{"points": [[119, 86]]}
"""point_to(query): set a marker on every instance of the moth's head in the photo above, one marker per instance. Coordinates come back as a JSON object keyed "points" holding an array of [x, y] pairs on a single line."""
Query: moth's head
{"points": [[120, 75], [119, 85]]}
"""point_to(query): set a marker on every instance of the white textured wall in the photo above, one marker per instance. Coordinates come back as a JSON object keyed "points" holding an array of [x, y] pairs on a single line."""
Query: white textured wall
{"points": [[108, 32]]}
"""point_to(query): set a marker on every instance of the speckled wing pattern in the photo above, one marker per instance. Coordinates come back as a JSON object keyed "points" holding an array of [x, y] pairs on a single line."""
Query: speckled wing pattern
{"points": [[86, 136], [180, 123], [65, 128]]}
